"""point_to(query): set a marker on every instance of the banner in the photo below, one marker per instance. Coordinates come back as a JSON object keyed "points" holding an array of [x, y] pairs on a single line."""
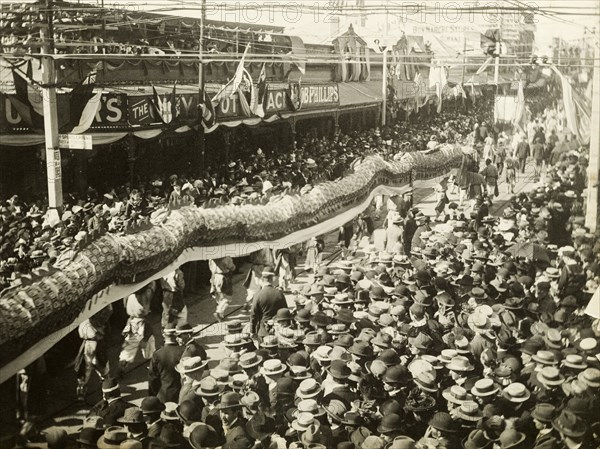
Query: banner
{"points": [[505, 108], [577, 110]]}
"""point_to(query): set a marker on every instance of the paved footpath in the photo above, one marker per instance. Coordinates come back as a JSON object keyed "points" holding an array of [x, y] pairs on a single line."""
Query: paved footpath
{"points": [[65, 411]]}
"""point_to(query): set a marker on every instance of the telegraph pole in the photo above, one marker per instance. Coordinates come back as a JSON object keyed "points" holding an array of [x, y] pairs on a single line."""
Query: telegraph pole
{"points": [[53, 164], [591, 214], [384, 87], [201, 86]]}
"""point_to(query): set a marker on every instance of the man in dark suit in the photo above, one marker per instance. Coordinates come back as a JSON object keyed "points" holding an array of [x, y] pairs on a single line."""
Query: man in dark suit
{"points": [[234, 424], [266, 303], [164, 380], [112, 407]]}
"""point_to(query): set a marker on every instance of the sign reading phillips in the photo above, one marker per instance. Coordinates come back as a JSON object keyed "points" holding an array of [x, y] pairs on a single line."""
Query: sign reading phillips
{"points": [[319, 95]]}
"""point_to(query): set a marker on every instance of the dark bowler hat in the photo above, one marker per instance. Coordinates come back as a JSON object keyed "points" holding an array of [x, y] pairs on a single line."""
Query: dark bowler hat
{"points": [[152, 404], [443, 421], [390, 423]]}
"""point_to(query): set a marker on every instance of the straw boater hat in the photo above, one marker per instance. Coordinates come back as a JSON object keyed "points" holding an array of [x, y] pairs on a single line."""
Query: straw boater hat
{"points": [[485, 387], [190, 365], [272, 367], [516, 392]]}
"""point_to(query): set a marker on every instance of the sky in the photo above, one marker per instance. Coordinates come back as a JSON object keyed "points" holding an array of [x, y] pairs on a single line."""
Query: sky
{"points": [[315, 21]]}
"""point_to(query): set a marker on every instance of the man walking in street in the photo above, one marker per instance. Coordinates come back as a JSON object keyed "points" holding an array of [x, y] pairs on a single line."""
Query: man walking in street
{"points": [[174, 309], [490, 173], [266, 303], [537, 153], [523, 151]]}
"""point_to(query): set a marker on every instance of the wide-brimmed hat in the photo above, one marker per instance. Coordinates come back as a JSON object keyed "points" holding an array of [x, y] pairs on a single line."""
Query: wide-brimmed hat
{"points": [[479, 323], [132, 415], [545, 357], [272, 367], [308, 388], [510, 438], [345, 316], [309, 406], [485, 387], [544, 412], [229, 399], [476, 440], [553, 338], [322, 353], [190, 364], [590, 377], [170, 412], [338, 369], [456, 394], [88, 436], [574, 361], [361, 349], [550, 376], [460, 364], [446, 355], [516, 392], [426, 381], [209, 387], [236, 340], [421, 402], [469, 411], [260, 426], [250, 359], [443, 421], [112, 438], [204, 436], [303, 421], [337, 329], [569, 424]]}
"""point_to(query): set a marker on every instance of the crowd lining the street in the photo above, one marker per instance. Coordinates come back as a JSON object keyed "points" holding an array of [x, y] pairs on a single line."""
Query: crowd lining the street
{"points": [[467, 331]]}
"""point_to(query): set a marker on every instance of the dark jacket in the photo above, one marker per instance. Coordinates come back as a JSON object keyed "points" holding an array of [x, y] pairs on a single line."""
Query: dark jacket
{"points": [[164, 381], [110, 411], [265, 305]]}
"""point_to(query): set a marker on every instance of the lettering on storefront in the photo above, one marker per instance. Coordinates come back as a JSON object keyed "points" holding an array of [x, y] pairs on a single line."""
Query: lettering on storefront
{"points": [[319, 95]]}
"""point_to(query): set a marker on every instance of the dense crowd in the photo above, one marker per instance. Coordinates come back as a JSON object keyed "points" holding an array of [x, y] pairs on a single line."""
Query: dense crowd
{"points": [[465, 333], [31, 239]]}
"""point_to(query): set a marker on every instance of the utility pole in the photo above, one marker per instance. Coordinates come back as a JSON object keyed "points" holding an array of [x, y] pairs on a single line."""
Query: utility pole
{"points": [[384, 87], [201, 86], [464, 67], [591, 214], [53, 164]]}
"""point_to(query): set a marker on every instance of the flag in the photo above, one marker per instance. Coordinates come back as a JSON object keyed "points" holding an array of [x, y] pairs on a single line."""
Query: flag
{"points": [[437, 78], [165, 109], [79, 99], [231, 87], [261, 92], [209, 117], [27, 101], [577, 110], [292, 96], [418, 79], [520, 116]]}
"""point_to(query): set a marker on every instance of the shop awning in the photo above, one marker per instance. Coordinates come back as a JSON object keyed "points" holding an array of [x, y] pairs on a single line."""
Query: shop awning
{"points": [[354, 94]]}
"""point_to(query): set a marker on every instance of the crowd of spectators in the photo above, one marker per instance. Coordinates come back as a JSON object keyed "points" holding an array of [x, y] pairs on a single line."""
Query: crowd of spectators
{"points": [[452, 338]]}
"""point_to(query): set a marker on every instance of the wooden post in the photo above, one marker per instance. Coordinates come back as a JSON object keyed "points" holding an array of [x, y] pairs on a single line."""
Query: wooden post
{"points": [[53, 160], [591, 215]]}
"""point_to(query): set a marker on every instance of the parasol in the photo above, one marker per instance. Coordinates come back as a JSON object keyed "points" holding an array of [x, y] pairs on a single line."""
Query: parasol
{"points": [[528, 250], [593, 307]]}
